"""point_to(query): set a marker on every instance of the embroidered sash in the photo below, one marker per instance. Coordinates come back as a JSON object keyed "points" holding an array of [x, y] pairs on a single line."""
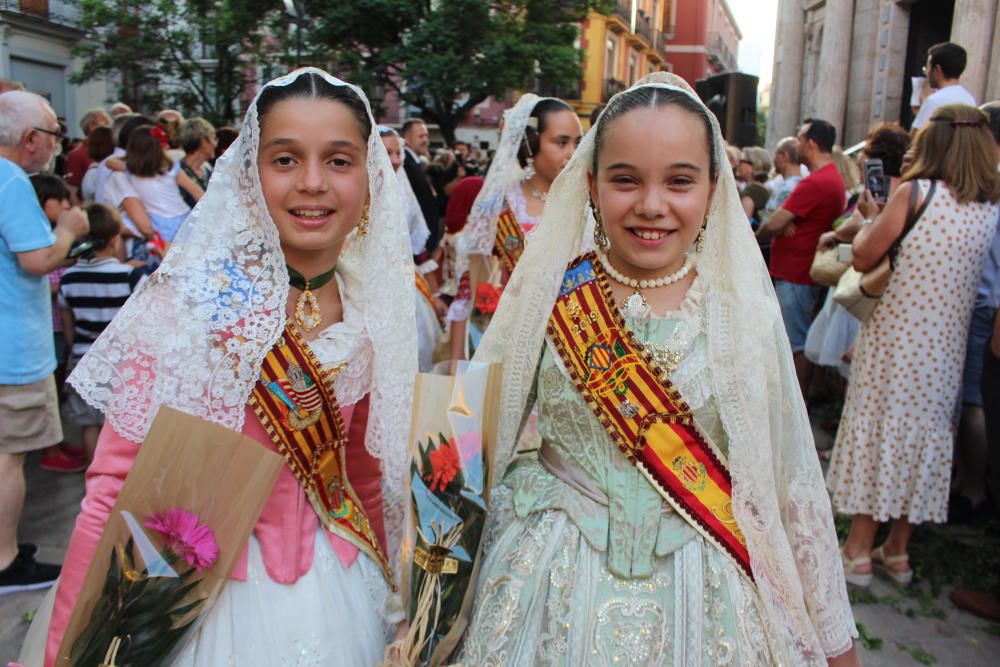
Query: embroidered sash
{"points": [[509, 243], [294, 400], [424, 289], [642, 411]]}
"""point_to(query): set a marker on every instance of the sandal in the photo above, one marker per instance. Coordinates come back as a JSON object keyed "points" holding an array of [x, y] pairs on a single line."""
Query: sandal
{"points": [[883, 565], [860, 579]]}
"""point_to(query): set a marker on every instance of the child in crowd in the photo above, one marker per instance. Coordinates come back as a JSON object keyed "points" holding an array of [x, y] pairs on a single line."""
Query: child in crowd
{"points": [[155, 177], [90, 295], [53, 195]]}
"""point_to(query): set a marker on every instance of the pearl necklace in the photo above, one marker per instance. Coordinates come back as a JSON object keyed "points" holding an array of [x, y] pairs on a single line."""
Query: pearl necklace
{"points": [[538, 194], [636, 305]]}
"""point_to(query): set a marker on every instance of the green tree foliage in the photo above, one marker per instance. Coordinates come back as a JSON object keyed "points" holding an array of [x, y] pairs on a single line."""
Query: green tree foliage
{"points": [[446, 56], [196, 55]]}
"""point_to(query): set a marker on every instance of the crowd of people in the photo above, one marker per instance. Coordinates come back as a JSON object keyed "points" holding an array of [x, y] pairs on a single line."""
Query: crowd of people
{"points": [[687, 262]]}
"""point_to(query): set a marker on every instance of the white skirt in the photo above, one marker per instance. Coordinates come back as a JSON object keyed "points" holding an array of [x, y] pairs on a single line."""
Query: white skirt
{"points": [[330, 616], [831, 335]]}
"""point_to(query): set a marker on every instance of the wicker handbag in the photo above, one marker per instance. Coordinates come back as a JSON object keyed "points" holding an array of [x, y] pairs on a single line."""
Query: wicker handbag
{"points": [[826, 269], [858, 292]]}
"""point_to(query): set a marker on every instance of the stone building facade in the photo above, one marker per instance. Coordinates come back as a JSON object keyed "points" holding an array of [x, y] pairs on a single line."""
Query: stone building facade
{"points": [[851, 61]]}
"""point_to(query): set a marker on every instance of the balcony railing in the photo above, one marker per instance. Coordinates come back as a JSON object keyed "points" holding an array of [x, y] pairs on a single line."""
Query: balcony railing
{"points": [[719, 53], [644, 26], [624, 9], [661, 41], [612, 87]]}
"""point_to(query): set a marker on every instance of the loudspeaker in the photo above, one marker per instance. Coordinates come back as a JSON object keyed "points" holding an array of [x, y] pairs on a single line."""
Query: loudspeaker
{"points": [[732, 97]]}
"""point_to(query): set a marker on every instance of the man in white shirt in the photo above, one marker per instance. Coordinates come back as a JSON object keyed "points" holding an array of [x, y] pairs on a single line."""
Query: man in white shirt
{"points": [[945, 64]]}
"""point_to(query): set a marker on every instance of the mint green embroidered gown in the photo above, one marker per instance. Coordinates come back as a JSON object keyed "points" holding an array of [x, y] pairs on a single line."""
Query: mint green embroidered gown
{"points": [[568, 581]]}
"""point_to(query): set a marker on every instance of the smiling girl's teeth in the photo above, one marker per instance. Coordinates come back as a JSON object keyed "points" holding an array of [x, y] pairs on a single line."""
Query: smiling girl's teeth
{"points": [[310, 214], [648, 235]]}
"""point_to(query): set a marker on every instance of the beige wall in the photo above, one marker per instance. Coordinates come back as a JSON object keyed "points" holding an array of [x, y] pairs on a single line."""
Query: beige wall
{"points": [[845, 60]]}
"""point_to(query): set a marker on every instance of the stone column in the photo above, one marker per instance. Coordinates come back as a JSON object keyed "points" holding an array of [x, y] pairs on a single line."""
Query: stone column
{"points": [[993, 78], [786, 79], [835, 64], [972, 27], [863, 59]]}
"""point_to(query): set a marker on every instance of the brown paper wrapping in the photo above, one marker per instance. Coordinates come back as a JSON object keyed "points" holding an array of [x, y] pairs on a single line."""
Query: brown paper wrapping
{"points": [[432, 400], [221, 475]]}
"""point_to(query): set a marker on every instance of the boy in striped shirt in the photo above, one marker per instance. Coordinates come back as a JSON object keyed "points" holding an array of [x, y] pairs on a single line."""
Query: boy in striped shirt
{"points": [[90, 295]]}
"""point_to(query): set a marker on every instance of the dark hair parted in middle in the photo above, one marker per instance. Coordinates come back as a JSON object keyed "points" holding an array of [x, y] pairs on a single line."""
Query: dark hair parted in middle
{"points": [[312, 85], [532, 140], [652, 97]]}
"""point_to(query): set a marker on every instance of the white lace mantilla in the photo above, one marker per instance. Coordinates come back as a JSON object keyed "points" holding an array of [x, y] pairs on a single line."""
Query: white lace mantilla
{"points": [[780, 500], [195, 334]]}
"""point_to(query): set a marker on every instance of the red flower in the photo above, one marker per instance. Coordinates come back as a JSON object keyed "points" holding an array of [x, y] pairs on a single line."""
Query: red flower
{"points": [[445, 465], [487, 298], [160, 135]]}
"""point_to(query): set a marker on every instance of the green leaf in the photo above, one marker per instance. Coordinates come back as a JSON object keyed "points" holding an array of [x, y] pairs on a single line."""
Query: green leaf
{"points": [[918, 654], [869, 641]]}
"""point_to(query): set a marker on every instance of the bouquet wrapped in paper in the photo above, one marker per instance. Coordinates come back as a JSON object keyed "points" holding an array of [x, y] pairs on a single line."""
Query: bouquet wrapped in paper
{"points": [[182, 519], [454, 430]]}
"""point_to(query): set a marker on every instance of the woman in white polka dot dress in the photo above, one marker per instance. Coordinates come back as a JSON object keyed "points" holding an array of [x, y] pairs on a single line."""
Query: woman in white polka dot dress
{"points": [[892, 459]]}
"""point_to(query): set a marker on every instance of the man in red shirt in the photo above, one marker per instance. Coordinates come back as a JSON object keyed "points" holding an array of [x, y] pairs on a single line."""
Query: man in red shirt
{"points": [[807, 213], [77, 159]]}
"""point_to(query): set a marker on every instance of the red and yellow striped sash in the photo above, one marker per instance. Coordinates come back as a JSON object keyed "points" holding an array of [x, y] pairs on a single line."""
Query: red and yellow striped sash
{"points": [[509, 242], [642, 411], [294, 400], [424, 289]]}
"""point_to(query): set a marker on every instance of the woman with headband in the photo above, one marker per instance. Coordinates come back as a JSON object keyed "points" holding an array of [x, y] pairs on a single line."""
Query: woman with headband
{"points": [[892, 460]]}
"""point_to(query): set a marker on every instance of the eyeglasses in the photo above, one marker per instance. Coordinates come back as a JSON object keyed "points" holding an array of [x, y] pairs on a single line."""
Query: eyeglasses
{"points": [[55, 133]]}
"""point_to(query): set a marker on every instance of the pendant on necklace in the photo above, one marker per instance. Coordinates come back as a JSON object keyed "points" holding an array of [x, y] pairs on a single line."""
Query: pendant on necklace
{"points": [[636, 306], [307, 321]]}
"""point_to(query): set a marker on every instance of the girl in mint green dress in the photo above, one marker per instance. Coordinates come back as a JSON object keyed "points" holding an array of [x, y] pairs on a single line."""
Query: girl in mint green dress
{"points": [[636, 535]]}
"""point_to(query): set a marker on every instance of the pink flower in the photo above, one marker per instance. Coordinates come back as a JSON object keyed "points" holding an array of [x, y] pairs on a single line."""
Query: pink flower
{"points": [[185, 537]]}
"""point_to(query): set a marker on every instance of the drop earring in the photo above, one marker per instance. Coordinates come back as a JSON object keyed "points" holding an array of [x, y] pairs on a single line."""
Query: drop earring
{"points": [[600, 236], [699, 243], [529, 169], [363, 223]]}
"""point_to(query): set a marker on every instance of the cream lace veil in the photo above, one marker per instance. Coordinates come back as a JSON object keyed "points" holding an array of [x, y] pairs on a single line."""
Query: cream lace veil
{"points": [[780, 500], [195, 334], [478, 235]]}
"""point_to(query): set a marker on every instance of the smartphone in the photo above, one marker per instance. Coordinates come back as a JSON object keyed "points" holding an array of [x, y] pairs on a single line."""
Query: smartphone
{"points": [[81, 248], [875, 179], [844, 252]]}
